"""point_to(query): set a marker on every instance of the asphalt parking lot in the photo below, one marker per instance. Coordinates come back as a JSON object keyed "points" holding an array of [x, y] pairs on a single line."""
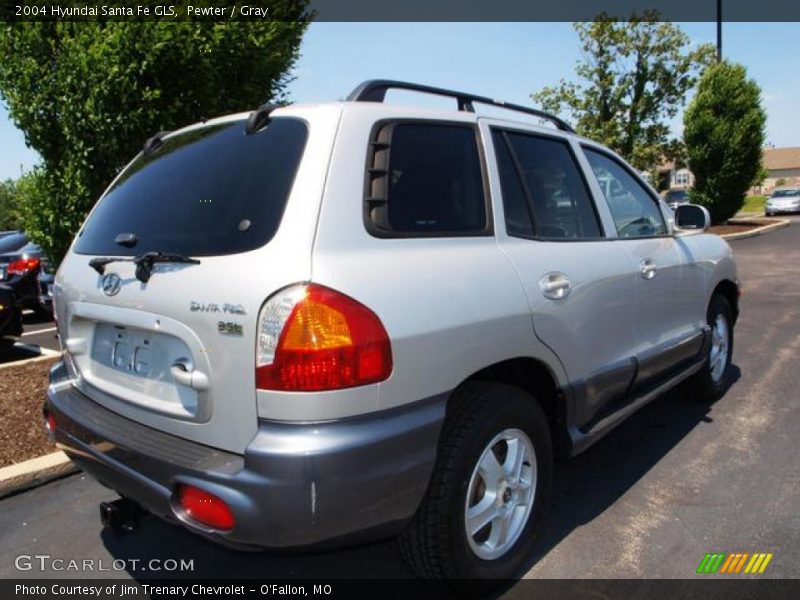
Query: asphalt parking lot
{"points": [[37, 333], [674, 482]]}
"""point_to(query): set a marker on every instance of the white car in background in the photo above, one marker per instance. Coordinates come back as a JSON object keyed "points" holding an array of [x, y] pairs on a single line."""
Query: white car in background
{"points": [[783, 200]]}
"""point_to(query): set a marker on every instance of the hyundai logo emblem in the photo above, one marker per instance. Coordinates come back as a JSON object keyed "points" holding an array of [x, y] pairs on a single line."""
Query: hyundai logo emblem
{"points": [[111, 283]]}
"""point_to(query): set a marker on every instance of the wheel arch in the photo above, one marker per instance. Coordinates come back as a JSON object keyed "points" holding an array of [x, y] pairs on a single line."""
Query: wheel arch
{"points": [[538, 379], [730, 291]]}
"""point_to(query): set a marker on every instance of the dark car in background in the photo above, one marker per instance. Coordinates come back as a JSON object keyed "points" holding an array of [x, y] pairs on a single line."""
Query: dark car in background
{"points": [[10, 316], [674, 198], [22, 263]]}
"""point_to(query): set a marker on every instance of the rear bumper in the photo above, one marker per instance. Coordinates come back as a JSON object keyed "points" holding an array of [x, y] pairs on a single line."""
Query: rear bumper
{"points": [[775, 210], [10, 315], [297, 485], [26, 289]]}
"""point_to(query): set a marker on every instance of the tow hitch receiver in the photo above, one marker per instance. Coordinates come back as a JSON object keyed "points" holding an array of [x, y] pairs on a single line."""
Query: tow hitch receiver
{"points": [[121, 515]]}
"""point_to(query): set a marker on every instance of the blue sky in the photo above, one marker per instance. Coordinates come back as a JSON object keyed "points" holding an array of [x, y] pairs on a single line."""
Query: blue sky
{"points": [[501, 60]]}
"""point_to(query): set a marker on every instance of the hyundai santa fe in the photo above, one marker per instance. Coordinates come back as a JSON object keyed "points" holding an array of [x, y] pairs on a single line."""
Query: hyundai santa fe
{"points": [[314, 325]]}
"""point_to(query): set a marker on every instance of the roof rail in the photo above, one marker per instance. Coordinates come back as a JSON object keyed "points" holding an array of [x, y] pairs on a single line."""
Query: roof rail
{"points": [[374, 90]]}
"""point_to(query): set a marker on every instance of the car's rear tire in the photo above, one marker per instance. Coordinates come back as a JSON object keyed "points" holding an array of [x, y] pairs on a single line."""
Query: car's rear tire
{"points": [[495, 461], [712, 380]]}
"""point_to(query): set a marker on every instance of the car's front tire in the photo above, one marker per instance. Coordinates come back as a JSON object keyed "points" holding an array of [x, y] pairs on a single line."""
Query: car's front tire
{"points": [[711, 381], [488, 491]]}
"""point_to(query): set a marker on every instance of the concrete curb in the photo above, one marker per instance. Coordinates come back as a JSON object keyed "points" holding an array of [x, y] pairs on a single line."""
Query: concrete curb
{"points": [[34, 472], [757, 231]]}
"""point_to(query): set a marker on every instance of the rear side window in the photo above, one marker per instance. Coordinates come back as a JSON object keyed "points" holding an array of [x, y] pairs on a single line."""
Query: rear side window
{"points": [[210, 191], [544, 193], [425, 180]]}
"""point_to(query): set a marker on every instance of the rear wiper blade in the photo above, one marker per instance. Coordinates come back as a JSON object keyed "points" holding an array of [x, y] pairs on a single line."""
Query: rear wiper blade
{"points": [[144, 262], [99, 264]]}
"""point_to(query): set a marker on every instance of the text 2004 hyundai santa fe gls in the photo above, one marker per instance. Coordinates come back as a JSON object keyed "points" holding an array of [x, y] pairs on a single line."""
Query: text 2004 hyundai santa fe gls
{"points": [[330, 323]]}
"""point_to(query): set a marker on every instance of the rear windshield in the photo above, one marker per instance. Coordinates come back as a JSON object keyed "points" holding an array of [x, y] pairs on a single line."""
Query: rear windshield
{"points": [[209, 191], [677, 195], [13, 242]]}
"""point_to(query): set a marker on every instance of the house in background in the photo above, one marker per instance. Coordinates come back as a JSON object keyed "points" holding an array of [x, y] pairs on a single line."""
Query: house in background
{"points": [[782, 166], [672, 178]]}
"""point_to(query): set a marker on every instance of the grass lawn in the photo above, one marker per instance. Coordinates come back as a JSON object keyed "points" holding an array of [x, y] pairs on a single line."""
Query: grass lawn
{"points": [[754, 204]]}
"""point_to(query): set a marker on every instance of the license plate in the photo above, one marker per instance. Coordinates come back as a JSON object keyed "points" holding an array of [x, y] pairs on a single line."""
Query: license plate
{"points": [[128, 351]]}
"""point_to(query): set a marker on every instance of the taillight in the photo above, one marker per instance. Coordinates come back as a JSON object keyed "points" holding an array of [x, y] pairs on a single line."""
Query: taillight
{"points": [[50, 422], [23, 265], [312, 338], [205, 508]]}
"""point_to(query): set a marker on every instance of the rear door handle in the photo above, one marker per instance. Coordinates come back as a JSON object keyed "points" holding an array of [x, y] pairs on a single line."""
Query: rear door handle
{"points": [[555, 286], [184, 374], [648, 268]]}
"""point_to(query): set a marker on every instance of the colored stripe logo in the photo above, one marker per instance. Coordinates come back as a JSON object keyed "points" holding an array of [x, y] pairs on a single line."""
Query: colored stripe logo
{"points": [[734, 563]]}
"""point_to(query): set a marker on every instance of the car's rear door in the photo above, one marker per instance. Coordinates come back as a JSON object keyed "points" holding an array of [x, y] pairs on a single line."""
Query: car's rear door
{"points": [[580, 285]]}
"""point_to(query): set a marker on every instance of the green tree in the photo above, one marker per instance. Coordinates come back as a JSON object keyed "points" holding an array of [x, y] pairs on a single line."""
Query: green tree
{"points": [[633, 77], [9, 203], [87, 94], [723, 129]]}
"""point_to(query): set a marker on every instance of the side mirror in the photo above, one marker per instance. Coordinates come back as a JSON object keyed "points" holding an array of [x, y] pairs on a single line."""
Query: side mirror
{"points": [[691, 218]]}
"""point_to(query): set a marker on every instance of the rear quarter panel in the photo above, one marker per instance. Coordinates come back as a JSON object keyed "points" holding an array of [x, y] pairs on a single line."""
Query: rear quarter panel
{"points": [[451, 306]]}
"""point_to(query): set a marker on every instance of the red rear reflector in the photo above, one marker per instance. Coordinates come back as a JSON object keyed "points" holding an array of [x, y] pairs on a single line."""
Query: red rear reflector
{"points": [[205, 508], [50, 423]]}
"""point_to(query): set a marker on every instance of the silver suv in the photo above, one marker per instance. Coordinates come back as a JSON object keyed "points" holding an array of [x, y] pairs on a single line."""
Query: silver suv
{"points": [[325, 324]]}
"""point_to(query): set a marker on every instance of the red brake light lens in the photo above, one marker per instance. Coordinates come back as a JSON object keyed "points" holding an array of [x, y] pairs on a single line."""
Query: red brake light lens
{"points": [[312, 338], [205, 508], [23, 265]]}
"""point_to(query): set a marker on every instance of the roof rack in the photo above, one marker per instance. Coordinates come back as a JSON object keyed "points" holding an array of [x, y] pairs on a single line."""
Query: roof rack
{"points": [[374, 90]]}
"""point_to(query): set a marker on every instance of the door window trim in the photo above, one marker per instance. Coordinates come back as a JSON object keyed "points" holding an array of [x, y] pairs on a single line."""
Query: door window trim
{"points": [[375, 145], [504, 131]]}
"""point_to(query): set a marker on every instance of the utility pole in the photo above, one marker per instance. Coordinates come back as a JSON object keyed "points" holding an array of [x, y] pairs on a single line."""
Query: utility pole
{"points": [[719, 31]]}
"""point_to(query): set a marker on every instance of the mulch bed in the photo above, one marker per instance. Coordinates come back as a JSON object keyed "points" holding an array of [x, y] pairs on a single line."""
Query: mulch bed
{"points": [[726, 229], [739, 226], [22, 434]]}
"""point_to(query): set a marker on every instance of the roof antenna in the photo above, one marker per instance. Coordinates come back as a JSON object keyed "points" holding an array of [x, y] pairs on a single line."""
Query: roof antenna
{"points": [[154, 143], [259, 118]]}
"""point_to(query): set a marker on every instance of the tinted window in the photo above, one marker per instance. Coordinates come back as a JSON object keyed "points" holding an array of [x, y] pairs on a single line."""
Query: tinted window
{"points": [[544, 171], [432, 184], [677, 196], [13, 242], [209, 191], [635, 211], [785, 193], [515, 202]]}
